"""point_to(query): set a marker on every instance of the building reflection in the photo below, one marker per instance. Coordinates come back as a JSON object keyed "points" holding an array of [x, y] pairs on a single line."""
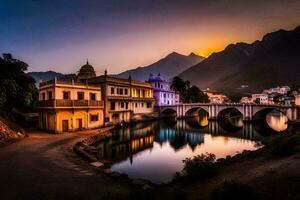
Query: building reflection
{"points": [[128, 141]]}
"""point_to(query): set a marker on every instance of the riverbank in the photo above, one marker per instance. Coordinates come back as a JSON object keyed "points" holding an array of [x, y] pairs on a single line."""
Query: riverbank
{"points": [[268, 176], [261, 170]]}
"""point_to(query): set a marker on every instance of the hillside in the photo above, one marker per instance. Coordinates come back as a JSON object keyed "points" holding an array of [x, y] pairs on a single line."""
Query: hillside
{"points": [[48, 75], [272, 61], [169, 66], [8, 134]]}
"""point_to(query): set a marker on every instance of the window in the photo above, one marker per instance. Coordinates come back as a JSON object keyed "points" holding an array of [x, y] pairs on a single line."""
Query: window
{"points": [[136, 105], [112, 90], [66, 95], [149, 104], [92, 96], [165, 95], [126, 91], [43, 96], [122, 104], [126, 105], [121, 91], [80, 95], [142, 105], [118, 91], [112, 105], [49, 95], [143, 93], [94, 118], [138, 93]]}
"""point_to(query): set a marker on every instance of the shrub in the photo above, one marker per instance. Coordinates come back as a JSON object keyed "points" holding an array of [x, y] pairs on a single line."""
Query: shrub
{"points": [[231, 189], [201, 166]]}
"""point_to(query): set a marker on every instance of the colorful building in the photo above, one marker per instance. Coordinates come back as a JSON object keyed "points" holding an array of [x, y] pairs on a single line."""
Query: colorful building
{"points": [[162, 92], [124, 99], [68, 106]]}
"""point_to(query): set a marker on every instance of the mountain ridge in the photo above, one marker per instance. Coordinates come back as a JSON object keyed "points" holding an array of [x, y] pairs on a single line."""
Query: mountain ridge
{"points": [[251, 64], [170, 66]]}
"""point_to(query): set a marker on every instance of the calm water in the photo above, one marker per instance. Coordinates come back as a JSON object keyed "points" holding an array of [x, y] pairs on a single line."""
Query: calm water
{"points": [[155, 150]]}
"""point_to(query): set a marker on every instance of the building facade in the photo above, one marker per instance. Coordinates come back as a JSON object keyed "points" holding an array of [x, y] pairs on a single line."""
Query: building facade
{"points": [[260, 98], [124, 99], [162, 91], [69, 106]]}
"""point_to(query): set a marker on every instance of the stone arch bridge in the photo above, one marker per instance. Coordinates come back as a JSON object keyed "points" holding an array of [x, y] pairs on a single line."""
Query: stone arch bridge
{"points": [[247, 110]]}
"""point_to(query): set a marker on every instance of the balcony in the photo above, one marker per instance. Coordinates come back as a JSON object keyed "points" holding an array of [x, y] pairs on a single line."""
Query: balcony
{"points": [[65, 103]]}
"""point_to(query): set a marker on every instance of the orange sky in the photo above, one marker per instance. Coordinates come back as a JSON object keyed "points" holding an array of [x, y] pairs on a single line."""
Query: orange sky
{"points": [[120, 35]]}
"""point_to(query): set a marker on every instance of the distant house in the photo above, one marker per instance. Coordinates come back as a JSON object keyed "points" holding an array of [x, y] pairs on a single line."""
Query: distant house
{"points": [[278, 90], [162, 91], [297, 100], [216, 97], [245, 100], [261, 98]]}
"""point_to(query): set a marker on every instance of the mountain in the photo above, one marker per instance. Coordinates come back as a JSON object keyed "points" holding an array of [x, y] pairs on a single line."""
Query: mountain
{"points": [[273, 61], [169, 66], [48, 75]]}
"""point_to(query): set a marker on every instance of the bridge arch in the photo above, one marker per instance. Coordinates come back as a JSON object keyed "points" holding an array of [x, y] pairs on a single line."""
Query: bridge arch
{"points": [[262, 112], [169, 112], [194, 111], [225, 112]]}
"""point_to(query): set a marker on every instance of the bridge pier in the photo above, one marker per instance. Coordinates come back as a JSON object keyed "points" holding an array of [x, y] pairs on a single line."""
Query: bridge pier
{"points": [[247, 112], [213, 112]]}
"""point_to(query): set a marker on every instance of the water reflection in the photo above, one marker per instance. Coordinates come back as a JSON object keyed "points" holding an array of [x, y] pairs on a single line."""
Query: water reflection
{"points": [[277, 121], [155, 150]]}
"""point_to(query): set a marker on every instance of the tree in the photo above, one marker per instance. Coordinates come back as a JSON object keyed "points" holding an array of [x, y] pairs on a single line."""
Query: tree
{"points": [[17, 89], [178, 85], [187, 93], [195, 95]]}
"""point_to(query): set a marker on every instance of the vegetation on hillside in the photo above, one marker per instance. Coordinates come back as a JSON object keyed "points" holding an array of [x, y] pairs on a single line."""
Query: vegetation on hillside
{"points": [[188, 94], [18, 92]]}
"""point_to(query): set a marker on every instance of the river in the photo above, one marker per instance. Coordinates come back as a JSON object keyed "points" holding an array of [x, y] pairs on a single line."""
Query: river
{"points": [[155, 150]]}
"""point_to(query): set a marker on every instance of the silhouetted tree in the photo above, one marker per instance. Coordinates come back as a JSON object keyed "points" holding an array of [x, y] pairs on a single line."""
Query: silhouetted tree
{"points": [[179, 86], [17, 89], [195, 95], [187, 93]]}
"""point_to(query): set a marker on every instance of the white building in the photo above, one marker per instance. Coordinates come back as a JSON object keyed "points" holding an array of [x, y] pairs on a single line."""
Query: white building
{"points": [[279, 90], [262, 98], [162, 91]]}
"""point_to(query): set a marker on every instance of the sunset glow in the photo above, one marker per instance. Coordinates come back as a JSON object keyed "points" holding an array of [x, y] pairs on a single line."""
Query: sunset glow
{"points": [[123, 35]]}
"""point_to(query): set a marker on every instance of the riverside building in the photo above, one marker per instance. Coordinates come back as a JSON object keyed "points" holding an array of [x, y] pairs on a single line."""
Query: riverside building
{"points": [[162, 92], [124, 99], [92, 101], [69, 106]]}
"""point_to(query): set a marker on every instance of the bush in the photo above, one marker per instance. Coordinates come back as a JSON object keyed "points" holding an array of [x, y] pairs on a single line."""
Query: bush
{"points": [[201, 166], [285, 144], [230, 189]]}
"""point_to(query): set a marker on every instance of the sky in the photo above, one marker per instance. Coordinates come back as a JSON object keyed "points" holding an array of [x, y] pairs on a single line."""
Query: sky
{"points": [[117, 35]]}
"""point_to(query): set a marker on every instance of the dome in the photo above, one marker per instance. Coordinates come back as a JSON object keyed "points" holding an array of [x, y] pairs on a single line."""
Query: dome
{"points": [[157, 78], [86, 71]]}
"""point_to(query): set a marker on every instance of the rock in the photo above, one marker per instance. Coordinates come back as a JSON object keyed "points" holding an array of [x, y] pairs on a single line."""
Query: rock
{"points": [[147, 187], [108, 171], [97, 164]]}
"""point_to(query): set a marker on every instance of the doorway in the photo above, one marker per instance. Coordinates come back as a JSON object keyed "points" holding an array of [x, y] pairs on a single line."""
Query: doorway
{"points": [[65, 125], [79, 123]]}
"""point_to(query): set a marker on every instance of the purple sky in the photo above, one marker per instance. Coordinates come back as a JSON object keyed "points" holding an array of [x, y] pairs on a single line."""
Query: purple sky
{"points": [[118, 35]]}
